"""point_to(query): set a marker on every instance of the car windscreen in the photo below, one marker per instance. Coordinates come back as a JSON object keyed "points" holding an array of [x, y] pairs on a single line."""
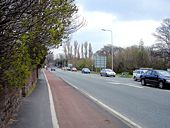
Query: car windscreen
{"points": [[164, 73], [86, 69], [143, 71], [109, 70]]}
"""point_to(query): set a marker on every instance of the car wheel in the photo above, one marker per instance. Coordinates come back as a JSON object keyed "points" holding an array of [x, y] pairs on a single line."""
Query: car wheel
{"points": [[143, 83], [107, 75], [135, 79], [161, 85]]}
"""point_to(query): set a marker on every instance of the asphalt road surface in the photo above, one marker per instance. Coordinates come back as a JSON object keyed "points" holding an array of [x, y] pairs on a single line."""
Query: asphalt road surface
{"points": [[147, 107]]}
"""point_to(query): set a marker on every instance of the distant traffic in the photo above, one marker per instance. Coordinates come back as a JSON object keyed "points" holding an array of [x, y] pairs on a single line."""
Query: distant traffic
{"points": [[147, 76]]}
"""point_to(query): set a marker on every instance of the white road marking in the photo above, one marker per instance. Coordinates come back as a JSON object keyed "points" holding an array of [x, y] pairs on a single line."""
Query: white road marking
{"points": [[53, 112], [166, 90], [128, 84], [113, 83], [114, 112]]}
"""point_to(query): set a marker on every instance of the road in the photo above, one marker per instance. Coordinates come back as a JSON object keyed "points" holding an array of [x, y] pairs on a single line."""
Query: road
{"points": [[146, 107]]}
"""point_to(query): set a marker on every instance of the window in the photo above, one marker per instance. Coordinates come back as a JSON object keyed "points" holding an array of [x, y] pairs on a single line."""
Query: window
{"points": [[154, 73], [149, 72]]}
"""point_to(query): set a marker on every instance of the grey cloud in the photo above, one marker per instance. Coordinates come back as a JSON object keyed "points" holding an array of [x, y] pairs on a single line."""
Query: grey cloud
{"points": [[131, 9]]}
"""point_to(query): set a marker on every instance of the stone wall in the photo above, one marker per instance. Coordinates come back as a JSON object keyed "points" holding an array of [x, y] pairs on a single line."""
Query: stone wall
{"points": [[31, 81], [10, 100]]}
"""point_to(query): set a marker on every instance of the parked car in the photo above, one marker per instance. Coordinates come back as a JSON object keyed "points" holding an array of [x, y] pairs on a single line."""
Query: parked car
{"points": [[64, 68], [134, 74], [107, 72], [138, 74], [158, 78], [68, 68], [52, 69], [85, 70], [74, 69]]}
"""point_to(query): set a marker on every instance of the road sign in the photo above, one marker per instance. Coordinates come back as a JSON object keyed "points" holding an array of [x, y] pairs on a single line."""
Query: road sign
{"points": [[100, 61]]}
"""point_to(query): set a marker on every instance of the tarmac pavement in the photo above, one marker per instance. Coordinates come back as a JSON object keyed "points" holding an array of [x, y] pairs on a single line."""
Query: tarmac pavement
{"points": [[35, 109]]}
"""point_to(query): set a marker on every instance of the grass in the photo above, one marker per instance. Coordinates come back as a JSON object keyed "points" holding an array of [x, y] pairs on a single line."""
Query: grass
{"points": [[124, 75], [31, 89]]}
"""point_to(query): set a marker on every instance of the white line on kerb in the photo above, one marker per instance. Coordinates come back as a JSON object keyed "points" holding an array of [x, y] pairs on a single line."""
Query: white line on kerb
{"points": [[53, 112], [117, 114]]}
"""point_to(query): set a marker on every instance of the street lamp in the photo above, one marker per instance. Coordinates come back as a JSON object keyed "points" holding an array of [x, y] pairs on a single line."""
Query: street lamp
{"points": [[111, 42]]}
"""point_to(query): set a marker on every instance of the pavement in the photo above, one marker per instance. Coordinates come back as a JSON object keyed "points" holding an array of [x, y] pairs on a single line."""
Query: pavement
{"points": [[72, 109], [35, 109]]}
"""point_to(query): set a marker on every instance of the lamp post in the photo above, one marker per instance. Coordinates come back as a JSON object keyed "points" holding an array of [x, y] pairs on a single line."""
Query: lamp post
{"points": [[111, 42]]}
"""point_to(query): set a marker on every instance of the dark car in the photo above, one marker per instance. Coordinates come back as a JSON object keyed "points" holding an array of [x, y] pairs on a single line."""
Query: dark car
{"points": [[107, 72], [158, 78], [52, 69], [85, 70]]}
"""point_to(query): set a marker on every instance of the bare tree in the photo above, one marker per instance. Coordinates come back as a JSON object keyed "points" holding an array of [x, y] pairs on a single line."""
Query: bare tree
{"points": [[85, 49], [75, 48], [82, 51], [78, 52], [71, 50], [68, 48], [162, 48], [49, 58], [65, 51], [90, 51]]}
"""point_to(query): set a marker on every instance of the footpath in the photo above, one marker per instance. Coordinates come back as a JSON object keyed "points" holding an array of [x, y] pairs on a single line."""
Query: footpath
{"points": [[35, 109], [73, 109]]}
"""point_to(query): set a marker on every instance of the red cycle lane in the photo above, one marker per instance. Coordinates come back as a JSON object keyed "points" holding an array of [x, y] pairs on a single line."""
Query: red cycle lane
{"points": [[74, 110]]}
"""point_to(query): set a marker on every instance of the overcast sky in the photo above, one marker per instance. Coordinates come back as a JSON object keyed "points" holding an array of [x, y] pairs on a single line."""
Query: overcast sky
{"points": [[129, 20]]}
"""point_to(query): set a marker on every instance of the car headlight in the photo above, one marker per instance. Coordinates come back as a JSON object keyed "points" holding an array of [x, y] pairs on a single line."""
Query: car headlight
{"points": [[168, 81]]}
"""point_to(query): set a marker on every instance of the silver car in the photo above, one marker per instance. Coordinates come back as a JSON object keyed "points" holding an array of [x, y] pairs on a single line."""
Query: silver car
{"points": [[137, 76], [107, 72]]}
